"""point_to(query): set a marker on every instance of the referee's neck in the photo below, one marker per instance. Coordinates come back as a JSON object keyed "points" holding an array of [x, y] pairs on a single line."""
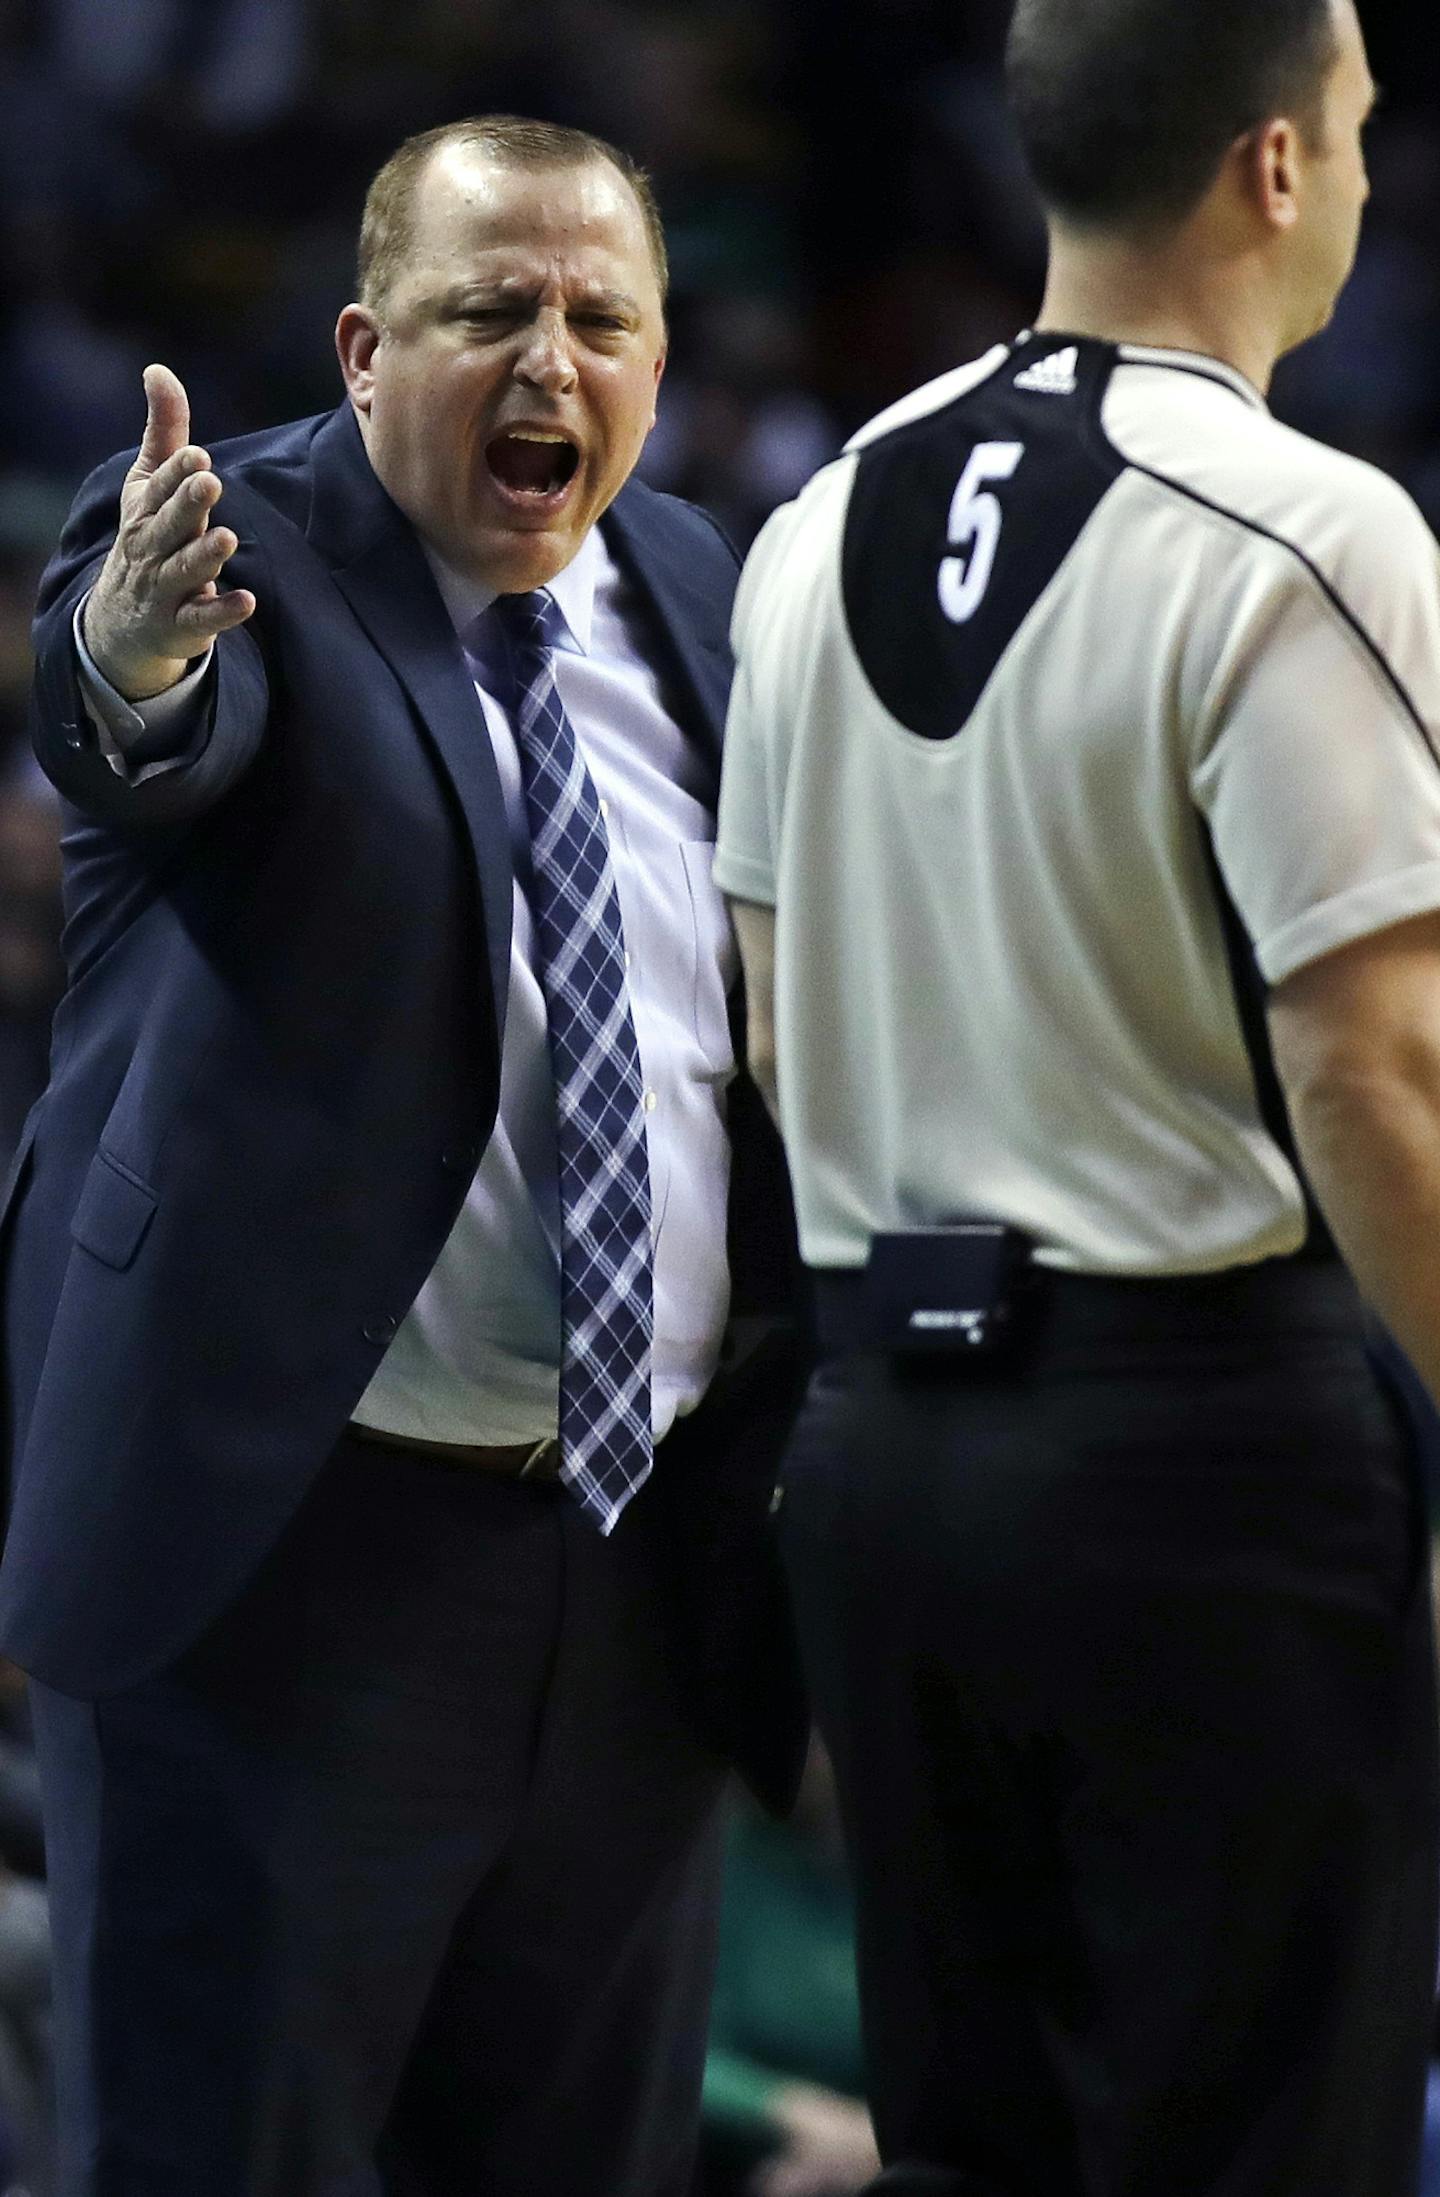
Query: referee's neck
{"points": [[1182, 294]]}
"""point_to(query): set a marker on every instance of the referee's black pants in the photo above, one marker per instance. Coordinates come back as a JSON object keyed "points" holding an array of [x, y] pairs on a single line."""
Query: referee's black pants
{"points": [[1125, 1659]]}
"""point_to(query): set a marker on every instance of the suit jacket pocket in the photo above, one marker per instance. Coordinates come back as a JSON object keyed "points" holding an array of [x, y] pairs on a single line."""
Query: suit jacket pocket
{"points": [[114, 1211]]}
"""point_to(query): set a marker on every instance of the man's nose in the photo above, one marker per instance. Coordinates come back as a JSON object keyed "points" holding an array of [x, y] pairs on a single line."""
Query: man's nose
{"points": [[545, 361]]}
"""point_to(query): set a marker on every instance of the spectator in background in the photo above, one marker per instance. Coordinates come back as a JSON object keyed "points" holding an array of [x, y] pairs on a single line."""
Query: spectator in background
{"points": [[26, 2100], [30, 965], [738, 432], [784, 2111], [27, 2135]]}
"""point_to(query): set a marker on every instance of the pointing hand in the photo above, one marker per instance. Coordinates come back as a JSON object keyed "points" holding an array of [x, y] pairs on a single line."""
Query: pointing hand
{"points": [[157, 603]]}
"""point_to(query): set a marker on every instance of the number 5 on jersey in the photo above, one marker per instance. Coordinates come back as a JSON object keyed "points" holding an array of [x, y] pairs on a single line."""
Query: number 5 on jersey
{"points": [[975, 521]]}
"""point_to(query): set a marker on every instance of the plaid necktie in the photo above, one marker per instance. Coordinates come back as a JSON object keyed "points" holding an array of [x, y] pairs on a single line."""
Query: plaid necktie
{"points": [[606, 1276]]}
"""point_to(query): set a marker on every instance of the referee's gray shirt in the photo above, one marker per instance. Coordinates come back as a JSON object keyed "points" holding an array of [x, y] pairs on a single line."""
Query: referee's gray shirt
{"points": [[1075, 686]]}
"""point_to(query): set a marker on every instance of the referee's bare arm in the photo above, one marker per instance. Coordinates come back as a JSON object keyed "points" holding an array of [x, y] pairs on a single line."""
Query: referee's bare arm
{"points": [[1357, 1046], [755, 930]]}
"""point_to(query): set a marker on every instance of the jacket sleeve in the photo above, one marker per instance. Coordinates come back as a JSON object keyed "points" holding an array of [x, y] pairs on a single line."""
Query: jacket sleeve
{"points": [[65, 738]]}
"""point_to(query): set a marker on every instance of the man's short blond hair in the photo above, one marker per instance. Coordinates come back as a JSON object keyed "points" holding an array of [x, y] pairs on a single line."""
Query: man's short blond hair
{"points": [[387, 228]]}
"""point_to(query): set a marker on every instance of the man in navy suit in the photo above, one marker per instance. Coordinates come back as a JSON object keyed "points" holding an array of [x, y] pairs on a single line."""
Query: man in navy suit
{"points": [[369, 1248]]}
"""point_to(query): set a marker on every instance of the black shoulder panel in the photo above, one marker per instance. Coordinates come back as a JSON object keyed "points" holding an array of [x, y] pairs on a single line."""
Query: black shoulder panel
{"points": [[958, 523]]}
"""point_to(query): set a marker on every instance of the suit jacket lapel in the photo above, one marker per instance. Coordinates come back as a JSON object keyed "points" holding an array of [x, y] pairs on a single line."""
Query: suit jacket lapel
{"points": [[690, 626], [380, 568]]}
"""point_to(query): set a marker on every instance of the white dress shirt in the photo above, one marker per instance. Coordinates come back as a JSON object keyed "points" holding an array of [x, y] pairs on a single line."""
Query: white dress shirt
{"points": [[477, 1358]]}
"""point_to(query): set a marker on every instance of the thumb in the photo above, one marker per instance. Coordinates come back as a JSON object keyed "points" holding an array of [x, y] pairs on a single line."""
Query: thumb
{"points": [[167, 419]]}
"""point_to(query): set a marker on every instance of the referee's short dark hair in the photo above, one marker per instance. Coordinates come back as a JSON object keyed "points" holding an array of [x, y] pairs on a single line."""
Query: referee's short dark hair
{"points": [[1126, 108]]}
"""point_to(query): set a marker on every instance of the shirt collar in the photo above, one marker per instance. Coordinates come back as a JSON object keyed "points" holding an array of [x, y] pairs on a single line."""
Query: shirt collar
{"points": [[572, 592], [1199, 363]]}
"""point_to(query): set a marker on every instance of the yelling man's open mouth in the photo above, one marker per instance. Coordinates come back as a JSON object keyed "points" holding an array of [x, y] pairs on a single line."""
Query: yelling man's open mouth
{"points": [[532, 463]]}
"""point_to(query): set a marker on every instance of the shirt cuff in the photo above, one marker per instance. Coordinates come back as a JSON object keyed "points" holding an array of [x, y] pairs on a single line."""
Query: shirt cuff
{"points": [[172, 723]]}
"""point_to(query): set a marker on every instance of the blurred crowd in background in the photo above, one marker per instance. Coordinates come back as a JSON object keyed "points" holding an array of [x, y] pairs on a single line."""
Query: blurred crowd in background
{"points": [[847, 217]]}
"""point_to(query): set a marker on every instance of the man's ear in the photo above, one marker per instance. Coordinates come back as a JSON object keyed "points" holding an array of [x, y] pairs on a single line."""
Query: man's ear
{"points": [[357, 336], [659, 370], [1270, 157]]}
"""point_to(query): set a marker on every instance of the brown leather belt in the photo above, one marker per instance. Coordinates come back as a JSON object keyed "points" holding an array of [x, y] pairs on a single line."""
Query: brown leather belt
{"points": [[518, 1461]]}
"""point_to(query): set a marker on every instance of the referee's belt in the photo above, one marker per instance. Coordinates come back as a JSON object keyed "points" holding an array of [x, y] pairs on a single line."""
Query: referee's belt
{"points": [[1042, 1310]]}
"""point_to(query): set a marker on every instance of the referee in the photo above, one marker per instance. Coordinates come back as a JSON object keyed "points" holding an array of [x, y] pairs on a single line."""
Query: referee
{"points": [[1082, 813]]}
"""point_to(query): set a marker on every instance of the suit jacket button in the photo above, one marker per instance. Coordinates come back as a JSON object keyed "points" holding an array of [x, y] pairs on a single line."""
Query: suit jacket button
{"points": [[380, 1328], [461, 1159], [74, 736]]}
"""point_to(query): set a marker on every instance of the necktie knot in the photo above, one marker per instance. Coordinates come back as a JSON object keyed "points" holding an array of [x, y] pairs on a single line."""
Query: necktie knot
{"points": [[525, 619]]}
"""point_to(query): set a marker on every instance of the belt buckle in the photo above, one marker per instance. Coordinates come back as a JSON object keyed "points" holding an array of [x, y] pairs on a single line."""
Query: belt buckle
{"points": [[539, 1452]]}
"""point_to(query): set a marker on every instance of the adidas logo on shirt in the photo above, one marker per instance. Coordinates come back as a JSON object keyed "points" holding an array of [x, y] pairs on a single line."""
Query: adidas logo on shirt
{"points": [[1053, 376]]}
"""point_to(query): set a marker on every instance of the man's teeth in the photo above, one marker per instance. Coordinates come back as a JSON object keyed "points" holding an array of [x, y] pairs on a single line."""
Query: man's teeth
{"points": [[534, 461]]}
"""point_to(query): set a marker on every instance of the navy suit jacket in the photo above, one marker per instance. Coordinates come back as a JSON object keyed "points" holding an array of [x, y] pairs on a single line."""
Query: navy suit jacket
{"points": [[275, 1068]]}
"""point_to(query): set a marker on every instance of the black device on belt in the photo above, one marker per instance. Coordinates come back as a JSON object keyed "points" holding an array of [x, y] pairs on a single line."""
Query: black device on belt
{"points": [[957, 1289]]}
